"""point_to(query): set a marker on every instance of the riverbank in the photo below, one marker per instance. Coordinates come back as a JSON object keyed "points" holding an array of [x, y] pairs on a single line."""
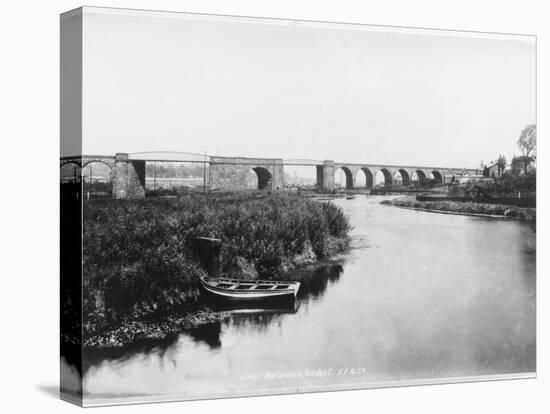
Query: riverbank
{"points": [[161, 326], [131, 331], [464, 208], [139, 265]]}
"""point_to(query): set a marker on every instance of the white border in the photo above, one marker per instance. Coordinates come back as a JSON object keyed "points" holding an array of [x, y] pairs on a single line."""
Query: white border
{"points": [[304, 23], [102, 402]]}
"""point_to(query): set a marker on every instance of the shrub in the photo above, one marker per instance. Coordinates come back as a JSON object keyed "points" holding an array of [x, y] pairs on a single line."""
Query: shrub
{"points": [[508, 185]]}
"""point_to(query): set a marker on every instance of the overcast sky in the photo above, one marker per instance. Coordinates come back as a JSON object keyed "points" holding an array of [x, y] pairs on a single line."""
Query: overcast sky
{"points": [[160, 83]]}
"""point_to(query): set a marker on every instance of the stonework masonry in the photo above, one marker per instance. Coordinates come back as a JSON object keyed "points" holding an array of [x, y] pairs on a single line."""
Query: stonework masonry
{"points": [[325, 175], [128, 177], [231, 174]]}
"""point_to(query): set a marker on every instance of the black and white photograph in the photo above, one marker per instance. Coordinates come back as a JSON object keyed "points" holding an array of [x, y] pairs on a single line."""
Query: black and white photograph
{"points": [[290, 206], [255, 206]]}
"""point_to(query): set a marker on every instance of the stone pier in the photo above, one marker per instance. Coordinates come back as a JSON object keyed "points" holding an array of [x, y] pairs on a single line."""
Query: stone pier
{"points": [[128, 177]]}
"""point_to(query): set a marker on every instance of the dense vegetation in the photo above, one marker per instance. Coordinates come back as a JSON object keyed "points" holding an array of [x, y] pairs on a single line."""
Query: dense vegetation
{"points": [[138, 259], [520, 180], [506, 186]]}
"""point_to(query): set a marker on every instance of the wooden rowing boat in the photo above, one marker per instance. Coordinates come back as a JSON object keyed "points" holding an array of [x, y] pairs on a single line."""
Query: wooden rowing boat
{"points": [[239, 289]]}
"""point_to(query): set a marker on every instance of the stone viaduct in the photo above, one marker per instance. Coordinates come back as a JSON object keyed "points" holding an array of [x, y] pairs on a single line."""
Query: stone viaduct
{"points": [[230, 173], [127, 175]]}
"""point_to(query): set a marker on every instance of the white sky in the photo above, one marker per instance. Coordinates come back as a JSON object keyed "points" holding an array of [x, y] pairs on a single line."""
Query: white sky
{"points": [[154, 83]]}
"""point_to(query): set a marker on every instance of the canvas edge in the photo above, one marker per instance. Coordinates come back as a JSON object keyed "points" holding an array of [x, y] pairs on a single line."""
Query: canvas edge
{"points": [[115, 401]]}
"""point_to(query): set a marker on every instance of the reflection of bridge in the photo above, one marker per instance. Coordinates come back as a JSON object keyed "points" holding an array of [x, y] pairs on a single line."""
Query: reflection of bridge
{"points": [[230, 173]]}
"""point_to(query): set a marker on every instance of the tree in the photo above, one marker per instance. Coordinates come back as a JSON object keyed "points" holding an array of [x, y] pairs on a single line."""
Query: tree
{"points": [[501, 165], [517, 165], [527, 143]]}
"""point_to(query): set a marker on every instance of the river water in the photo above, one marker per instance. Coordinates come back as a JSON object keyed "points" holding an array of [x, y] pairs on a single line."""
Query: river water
{"points": [[420, 297]]}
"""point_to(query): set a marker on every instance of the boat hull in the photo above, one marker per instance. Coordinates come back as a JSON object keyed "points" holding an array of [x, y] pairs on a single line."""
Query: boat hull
{"points": [[252, 293]]}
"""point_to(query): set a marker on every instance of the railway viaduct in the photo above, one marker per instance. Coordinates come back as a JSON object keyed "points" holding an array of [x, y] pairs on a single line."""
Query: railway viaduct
{"points": [[230, 173]]}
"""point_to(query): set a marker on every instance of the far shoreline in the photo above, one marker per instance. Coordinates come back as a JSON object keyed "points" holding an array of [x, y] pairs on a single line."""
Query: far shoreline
{"points": [[499, 211]]}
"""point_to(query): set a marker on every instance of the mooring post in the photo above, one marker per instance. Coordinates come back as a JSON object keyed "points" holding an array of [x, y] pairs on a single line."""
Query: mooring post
{"points": [[207, 251]]}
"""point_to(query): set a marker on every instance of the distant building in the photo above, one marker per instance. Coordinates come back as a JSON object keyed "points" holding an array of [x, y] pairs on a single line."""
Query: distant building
{"points": [[462, 179], [493, 170]]}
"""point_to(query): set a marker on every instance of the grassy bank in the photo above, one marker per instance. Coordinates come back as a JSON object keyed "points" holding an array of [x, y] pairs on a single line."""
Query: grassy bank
{"points": [[138, 260], [467, 208]]}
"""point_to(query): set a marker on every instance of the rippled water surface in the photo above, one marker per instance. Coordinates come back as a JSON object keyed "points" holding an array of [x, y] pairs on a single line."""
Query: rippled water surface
{"points": [[420, 296]]}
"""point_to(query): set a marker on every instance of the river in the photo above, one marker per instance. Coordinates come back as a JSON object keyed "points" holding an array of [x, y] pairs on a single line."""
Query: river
{"points": [[420, 297]]}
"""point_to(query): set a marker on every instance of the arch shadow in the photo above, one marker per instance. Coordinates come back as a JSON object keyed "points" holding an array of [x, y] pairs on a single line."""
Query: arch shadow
{"points": [[421, 176], [264, 178], [405, 178], [369, 177], [437, 176], [349, 176], [388, 180]]}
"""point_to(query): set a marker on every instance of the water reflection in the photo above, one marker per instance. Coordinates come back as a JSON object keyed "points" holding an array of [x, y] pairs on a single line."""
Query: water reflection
{"points": [[315, 282], [242, 316], [209, 334], [94, 357], [250, 307]]}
